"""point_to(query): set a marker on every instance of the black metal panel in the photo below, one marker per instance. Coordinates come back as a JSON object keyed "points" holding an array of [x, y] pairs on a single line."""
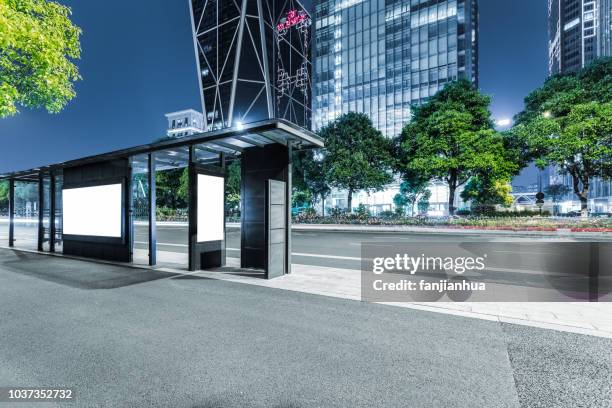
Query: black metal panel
{"points": [[52, 205], [259, 164], [111, 249], [41, 207], [11, 212]]}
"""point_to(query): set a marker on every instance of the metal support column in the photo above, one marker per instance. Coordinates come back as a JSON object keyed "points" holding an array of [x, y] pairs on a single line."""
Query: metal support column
{"points": [[222, 160], [129, 203], [52, 198], [41, 207], [152, 211], [192, 216], [237, 58], [289, 172], [11, 212]]}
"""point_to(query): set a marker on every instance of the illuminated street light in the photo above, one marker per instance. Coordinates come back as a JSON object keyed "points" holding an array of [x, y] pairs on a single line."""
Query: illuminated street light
{"points": [[503, 122]]}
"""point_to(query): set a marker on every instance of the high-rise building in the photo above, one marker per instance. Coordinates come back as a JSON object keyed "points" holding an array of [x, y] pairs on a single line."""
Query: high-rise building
{"points": [[579, 31], [381, 56], [253, 60], [184, 123]]}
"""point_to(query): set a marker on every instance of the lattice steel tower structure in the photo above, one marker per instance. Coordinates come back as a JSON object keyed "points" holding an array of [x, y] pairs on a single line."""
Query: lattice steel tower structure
{"points": [[253, 60]]}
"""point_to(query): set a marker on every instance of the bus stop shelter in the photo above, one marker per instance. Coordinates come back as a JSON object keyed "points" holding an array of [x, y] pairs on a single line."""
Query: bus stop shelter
{"points": [[87, 204]]}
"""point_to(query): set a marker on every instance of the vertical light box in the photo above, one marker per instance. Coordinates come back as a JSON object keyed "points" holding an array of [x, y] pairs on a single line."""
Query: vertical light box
{"points": [[211, 214], [93, 211]]}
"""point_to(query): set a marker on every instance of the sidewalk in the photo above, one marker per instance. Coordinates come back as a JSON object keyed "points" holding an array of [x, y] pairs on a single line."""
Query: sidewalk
{"points": [[578, 317]]}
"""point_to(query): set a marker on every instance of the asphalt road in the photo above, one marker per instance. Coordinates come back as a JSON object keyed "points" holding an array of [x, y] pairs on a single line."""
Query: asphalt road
{"points": [[318, 248], [126, 337]]}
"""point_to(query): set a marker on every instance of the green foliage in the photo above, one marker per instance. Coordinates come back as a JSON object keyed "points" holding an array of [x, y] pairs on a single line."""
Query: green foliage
{"points": [[556, 191], [362, 211], [301, 198], [451, 138], [568, 122], [232, 204], [314, 177], [4, 191], [561, 93], [423, 203], [38, 44], [412, 191], [485, 193], [357, 157], [232, 185], [309, 174], [172, 188]]}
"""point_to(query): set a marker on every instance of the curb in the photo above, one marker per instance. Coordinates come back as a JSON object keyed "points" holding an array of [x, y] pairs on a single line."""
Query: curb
{"points": [[439, 231]]}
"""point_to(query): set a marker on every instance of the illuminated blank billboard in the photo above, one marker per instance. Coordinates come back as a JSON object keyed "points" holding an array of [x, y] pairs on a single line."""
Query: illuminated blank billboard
{"points": [[211, 190], [93, 211]]}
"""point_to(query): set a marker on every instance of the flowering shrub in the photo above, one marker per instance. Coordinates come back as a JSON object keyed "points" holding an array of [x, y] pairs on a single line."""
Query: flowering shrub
{"points": [[470, 222]]}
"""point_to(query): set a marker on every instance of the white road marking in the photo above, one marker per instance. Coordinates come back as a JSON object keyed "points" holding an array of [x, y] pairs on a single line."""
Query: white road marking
{"points": [[348, 258], [162, 243]]}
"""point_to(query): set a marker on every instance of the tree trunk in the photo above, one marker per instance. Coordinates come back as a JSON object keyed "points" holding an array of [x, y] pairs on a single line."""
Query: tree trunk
{"points": [[452, 187], [451, 199], [323, 205], [583, 195], [350, 201], [584, 198]]}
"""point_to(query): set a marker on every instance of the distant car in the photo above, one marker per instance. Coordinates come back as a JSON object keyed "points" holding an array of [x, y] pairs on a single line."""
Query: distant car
{"points": [[600, 214]]}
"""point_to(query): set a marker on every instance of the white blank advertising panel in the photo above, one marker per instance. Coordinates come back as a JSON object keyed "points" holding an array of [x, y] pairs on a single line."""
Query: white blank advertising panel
{"points": [[93, 211], [211, 190]]}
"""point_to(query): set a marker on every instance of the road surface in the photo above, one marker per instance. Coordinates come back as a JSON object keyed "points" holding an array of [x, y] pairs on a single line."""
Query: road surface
{"points": [[317, 248], [124, 337]]}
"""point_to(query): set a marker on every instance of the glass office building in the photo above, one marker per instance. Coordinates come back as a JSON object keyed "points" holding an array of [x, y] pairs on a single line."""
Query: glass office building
{"points": [[380, 57], [579, 31]]}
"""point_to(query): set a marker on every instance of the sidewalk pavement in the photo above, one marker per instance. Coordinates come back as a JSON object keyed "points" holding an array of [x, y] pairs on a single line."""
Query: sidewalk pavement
{"points": [[576, 317]]}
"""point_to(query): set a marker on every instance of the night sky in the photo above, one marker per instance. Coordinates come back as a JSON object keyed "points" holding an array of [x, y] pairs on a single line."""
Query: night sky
{"points": [[138, 63]]}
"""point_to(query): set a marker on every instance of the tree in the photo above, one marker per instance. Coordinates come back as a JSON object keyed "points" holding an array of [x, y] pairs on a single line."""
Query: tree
{"points": [[556, 192], [451, 138], [4, 192], [309, 175], [423, 203], [568, 123], [232, 185], [486, 192], [172, 188], [411, 192], [38, 44], [232, 188], [357, 157]]}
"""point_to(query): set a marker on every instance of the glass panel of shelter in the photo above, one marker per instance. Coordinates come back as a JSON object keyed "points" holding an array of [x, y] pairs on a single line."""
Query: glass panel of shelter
{"points": [[172, 194], [26, 213]]}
